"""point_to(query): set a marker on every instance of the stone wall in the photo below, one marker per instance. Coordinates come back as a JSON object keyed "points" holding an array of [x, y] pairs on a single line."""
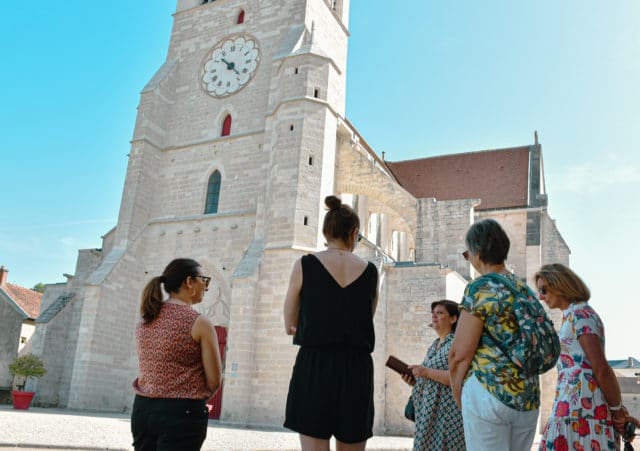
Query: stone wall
{"points": [[10, 325], [554, 248], [514, 223], [441, 231], [630, 390], [55, 338], [105, 359], [405, 299]]}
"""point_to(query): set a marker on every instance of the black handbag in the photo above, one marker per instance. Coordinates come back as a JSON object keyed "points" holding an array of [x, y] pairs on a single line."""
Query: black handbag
{"points": [[409, 410]]}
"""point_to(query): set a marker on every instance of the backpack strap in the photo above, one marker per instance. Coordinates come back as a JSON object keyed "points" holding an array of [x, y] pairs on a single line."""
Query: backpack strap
{"points": [[499, 278], [503, 280]]}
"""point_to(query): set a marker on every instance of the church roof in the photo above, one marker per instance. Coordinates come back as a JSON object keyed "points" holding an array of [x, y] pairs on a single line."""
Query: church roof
{"points": [[26, 300], [55, 307], [500, 178]]}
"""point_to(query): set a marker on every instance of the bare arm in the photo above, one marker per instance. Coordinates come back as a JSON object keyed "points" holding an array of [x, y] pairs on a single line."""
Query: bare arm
{"points": [[375, 302], [604, 375], [204, 333], [292, 299], [463, 349], [441, 376]]}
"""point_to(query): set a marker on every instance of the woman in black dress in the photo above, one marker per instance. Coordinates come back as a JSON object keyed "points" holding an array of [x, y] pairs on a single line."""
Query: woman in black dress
{"points": [[329, 310]]}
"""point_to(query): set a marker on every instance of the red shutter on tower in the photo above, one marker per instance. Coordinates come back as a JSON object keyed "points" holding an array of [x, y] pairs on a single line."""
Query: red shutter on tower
{"points": [[226, 126], [241, 16]]}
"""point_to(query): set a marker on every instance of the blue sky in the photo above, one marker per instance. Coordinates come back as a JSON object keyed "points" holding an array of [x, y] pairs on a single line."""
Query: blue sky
{"points": [[424, 78]]}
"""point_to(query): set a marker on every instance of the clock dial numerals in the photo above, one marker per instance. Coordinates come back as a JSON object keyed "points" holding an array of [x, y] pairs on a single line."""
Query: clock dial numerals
{"points": [[229, 66]]}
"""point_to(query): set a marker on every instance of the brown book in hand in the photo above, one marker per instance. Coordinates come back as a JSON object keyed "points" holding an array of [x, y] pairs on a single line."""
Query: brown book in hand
{"points": [[398, 366]]}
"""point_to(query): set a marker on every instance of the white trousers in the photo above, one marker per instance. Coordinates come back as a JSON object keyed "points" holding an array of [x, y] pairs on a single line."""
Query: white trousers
{"points": [[490, 425]]}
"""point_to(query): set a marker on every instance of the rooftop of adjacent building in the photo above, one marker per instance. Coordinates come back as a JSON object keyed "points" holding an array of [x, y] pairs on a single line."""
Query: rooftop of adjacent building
{"points": [[499, 177], [624, 364], [25, 300]]}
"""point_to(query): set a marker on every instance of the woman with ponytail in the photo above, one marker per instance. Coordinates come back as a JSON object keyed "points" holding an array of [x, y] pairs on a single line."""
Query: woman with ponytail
{"points": [[179, 362], [329, 310]]}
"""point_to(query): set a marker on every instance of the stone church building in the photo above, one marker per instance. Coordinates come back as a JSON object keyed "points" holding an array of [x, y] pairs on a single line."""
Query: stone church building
{"points": [[239, 136]]}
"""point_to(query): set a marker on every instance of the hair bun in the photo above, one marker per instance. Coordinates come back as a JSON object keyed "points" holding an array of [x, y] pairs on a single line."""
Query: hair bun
{"points": [[332, 202]]}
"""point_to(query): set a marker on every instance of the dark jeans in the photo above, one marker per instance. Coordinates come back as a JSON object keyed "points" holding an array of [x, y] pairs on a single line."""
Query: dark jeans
{"points": [[159, 424]]}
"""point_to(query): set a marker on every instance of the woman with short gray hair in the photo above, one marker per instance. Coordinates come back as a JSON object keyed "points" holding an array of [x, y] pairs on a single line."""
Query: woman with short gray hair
{"points": [[499, 402]]}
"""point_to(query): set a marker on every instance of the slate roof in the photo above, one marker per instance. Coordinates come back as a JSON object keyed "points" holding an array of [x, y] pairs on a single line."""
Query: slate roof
{"points": [[28, 301], [57, 305], [499, 177], [624, 364]]}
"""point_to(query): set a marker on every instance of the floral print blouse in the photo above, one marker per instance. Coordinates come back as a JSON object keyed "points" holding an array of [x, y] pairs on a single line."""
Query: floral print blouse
{"points": [[580, 418], [492, 303]]}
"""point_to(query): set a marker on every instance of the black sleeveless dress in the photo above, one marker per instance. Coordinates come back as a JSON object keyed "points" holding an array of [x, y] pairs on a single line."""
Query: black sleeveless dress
{"points": [[331, 388]]}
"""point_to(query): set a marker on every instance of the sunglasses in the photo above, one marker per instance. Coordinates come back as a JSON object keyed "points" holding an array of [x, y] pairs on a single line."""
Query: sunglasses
{"points": [[542, 290], [205, 280], [465, 254], [359, 237]]}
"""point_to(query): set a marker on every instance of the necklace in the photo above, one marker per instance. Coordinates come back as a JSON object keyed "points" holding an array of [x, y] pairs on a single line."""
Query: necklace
{"points": [[339, 249]]}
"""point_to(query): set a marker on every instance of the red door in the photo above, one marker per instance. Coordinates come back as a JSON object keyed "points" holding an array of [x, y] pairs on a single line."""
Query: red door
{"points": [[215, 403]]}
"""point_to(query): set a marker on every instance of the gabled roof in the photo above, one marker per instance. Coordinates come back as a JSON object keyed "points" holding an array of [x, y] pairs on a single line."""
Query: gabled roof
{"points": [[624, 364], [26, 300], [499, 177]]}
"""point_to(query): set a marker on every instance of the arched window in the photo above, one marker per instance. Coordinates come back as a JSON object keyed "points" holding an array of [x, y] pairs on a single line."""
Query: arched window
{"points": [[241, 16], [213, 193], [226, 126]]}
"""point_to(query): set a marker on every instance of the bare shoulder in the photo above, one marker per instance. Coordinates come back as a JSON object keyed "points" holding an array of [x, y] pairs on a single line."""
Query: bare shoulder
{"points": [[201, 326], [360, 262]]}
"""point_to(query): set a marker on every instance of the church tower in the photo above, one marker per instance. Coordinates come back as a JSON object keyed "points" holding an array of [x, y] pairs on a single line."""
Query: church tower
{"points": [[233, 152], [240, 135]]}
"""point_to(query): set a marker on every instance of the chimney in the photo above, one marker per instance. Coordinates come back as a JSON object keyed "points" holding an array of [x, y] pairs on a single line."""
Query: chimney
{"points": [[3, 275]]}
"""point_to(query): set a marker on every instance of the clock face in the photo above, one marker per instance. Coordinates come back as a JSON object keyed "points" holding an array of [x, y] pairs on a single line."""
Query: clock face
{"points": [[229, 66]]}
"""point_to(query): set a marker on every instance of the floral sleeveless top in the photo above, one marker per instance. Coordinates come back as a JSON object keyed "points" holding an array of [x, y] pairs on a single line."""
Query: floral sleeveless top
{"points": [[170, 359]]}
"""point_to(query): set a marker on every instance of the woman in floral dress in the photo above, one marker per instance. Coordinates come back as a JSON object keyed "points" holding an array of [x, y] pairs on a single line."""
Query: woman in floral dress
{"points": [[588, 409], [438, 419]]}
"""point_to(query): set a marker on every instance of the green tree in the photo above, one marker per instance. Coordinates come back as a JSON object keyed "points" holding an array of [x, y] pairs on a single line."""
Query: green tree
{"points": [[26, 366], [39, 287]]}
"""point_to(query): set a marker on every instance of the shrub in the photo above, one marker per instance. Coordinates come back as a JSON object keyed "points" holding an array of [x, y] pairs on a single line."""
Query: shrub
{"points": [[28, 365]]}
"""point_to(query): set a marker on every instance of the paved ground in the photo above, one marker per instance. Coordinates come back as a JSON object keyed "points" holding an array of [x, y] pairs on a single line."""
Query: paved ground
{"points": [[37, 429], [62, 429]]}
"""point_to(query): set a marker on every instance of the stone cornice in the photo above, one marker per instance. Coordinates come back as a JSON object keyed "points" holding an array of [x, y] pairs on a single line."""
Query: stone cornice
{"points": [[144, 139], [225, 215]]}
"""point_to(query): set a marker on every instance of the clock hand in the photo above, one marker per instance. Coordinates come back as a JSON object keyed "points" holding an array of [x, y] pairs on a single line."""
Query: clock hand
{"points": [[230, 66]]}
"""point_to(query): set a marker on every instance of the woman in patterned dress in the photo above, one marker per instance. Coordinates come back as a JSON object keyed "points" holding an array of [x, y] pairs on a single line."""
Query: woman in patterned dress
{"points": [[438, 419], [588, 409]]}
